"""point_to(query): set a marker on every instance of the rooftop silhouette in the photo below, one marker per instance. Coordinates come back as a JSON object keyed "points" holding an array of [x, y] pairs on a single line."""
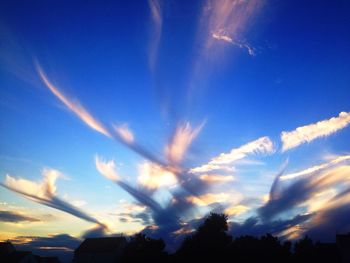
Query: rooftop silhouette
{"points": [[210, 241]]}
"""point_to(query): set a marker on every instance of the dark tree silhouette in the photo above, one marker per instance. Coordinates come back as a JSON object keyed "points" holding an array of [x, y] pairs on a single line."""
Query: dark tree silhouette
{"points": [[326, 252], [304, 250], [208, 242], [141, 248], [244, 249]]}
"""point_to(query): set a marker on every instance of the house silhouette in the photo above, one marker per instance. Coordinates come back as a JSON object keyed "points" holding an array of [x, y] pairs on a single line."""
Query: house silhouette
{"points": [[103, 249], [9, 254], [343, 244]]}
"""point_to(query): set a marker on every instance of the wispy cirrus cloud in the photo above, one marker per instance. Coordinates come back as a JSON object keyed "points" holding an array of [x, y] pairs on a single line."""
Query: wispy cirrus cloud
{"points": [[318, 201], [221, 21], [73, 105], [236, 210], [44, 192], [153, 176], [157, 21], [125, 133], [211, 198], [332, 217], [222, 37], [175, 152], [182, 138], [303, 190], [316, 168], [320, 224], [108, 170], [262, 145], [125, 136], [308, 133], [217, 178], [120, 133], [225, 20]]}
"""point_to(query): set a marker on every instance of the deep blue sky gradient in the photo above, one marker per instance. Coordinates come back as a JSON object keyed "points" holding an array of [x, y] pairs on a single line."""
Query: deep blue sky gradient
{"points": [[98, 53]]}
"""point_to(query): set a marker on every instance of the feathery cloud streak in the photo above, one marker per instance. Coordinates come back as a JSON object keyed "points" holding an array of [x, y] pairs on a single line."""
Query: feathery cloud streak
{"points": [[74, 106], [45, 193], [316, 168], [121, 133], [181, 140], [125, 133], [262, 145], [313, 131], [220, 20], [223, 37], [108, 170], [303, 190], [224, 19], [157, 22]]}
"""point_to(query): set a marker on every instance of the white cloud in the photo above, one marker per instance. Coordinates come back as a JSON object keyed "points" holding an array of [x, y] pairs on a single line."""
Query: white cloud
{"points": [[107, 168], [224, 19], [182, 139], [316, 168], [313, 131], [222, 37], [154, 176], [44, 192], [262, 145], [44, 189], [125, 133]]}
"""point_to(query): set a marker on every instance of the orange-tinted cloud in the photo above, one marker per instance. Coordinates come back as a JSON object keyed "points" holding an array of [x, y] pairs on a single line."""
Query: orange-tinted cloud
{"points": [[45, 193], [181, 140], [216, 178], [153, 176]]}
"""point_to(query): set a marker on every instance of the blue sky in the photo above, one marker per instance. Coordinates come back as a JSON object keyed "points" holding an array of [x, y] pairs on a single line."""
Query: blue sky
{"points": [[219, 78]]}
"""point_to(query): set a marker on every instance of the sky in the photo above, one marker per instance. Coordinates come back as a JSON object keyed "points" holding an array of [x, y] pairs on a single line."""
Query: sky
{"points": [[122, 116]]}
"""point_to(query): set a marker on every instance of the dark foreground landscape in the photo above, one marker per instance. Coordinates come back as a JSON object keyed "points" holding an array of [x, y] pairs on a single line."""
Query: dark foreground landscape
{"points": [[209, 243]]}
